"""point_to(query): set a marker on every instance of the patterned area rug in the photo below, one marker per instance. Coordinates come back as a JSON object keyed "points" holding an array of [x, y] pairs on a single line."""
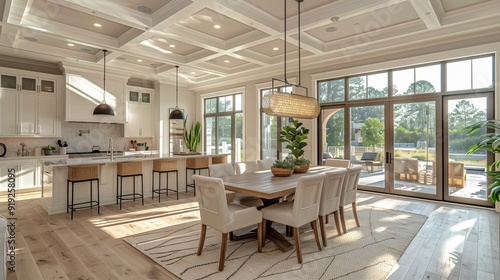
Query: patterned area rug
{"points": [[367, 252]]}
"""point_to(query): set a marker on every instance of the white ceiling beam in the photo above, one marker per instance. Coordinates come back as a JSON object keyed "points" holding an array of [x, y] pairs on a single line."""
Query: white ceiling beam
{"points": [[427, 13]]}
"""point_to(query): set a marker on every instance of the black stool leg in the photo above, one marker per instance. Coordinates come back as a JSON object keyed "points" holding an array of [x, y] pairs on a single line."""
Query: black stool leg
{"points": [[72, 198], [121, 191], [117, 177], [153, 187], [159, 186], [67, 196], [177, 183], [133, 178], [98, 198], [142, 189], [91, 196]]}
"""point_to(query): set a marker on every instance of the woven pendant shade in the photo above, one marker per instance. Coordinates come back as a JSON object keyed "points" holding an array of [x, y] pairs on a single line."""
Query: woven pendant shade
{"points": [[281, 104]]}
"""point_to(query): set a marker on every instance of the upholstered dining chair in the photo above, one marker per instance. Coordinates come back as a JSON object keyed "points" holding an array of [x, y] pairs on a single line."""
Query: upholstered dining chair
{"points": [[265, 164], [348, 196], [345, 163], [246, 166], [302, 210], [330, 200], [226, 169], [218, 214]]}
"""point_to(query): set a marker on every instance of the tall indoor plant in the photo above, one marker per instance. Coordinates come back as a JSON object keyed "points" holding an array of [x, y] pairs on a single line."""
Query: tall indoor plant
{"points": [[295, 135], [489, 142], [192, 137]]}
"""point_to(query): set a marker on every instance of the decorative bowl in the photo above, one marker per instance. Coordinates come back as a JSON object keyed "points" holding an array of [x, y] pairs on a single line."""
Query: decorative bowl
{"points": [[281, 172]]}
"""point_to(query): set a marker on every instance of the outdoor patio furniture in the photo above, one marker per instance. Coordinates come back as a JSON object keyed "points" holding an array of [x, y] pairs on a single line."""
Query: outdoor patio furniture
{"points": [[368, 160], [406, 169], [456, 173]]}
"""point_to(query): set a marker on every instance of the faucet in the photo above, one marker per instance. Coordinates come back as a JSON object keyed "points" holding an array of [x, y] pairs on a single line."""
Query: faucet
{"points": [[110, 149]]}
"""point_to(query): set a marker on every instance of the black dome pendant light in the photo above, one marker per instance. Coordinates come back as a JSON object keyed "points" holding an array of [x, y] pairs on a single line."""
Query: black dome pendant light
{"points": [[103, 108], [176, 114]]}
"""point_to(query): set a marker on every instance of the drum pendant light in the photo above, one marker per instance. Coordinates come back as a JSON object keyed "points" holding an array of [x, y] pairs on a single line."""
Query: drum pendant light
{"points": [[176, 114], [103, 108], [282, 104]]}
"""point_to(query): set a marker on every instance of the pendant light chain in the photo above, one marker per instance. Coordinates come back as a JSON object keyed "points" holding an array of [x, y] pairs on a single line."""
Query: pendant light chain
{"points": [[176, 85], [104, 86], [298, 5], [286, 80]]}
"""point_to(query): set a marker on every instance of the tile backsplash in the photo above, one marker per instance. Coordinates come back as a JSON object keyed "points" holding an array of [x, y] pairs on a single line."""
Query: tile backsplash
{"points": [[98, 135]]}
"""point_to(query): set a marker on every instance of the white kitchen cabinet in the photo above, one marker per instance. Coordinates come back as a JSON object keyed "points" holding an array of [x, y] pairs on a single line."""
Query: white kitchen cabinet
{"points": [[84, 93], [8, 113], [27, 83], [139, 113], [26, 173], [47, 116], [27, 123]]}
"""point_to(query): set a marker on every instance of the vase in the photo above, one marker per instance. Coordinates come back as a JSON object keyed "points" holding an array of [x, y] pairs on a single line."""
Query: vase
{"points": [[47, 152], [62, 150], [302, 169], [281, 172]]}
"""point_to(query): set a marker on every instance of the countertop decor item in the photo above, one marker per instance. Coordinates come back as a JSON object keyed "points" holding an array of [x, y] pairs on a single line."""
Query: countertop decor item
{"points": [[192, 137], [48, 150], [103, 108], [282, 104], [176, 114], [283, 168]]}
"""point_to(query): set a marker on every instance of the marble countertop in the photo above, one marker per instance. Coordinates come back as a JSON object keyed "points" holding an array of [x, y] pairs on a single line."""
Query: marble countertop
{"points": [[41, 158]]}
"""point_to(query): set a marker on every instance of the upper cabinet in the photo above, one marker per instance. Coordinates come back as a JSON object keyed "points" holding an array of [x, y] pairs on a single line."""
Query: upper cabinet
{"points": [[30, 104], [139, 112], [84, 92]]}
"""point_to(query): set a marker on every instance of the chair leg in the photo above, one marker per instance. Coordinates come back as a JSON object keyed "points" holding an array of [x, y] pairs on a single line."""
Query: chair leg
{"points": [[259, 237], [327, 220], [314, 225], [223, 246], [355, 213], [337, 224], [264, 225], [322, 229], [202, 239], [297, 244], [342, 219]]}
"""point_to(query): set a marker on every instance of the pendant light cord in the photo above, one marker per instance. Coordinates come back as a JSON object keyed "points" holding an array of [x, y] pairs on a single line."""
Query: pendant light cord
{"points": [[104, 86], [176, 85], [298, 5], [284, 1]]}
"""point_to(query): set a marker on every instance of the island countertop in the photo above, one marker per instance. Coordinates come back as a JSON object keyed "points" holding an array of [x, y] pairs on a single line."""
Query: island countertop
{"points": [[117, 159]]}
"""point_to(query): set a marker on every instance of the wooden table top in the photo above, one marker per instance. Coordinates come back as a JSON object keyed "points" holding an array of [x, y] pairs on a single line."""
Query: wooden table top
{"points": [[263, 184]]}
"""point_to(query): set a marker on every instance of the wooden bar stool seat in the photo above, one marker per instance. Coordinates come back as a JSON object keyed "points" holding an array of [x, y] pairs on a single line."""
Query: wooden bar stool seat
{"points": [[124, 170], [166, 166], [197, 165], [79, 174]]}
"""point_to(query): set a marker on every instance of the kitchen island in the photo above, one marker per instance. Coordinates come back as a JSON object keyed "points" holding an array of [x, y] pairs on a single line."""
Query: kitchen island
{"points": [[54, 194]]}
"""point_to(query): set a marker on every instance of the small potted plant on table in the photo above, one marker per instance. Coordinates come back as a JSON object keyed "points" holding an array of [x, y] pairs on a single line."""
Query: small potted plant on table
{"points": [[48, 150], [283, 168], [295, 135]]}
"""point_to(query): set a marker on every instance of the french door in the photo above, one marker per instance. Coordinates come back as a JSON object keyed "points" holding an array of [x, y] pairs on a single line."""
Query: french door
{"points": [[419, 145]]}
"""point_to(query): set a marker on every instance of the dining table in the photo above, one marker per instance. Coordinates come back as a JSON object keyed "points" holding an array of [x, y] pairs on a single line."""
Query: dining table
{"points": [[270, 189]]}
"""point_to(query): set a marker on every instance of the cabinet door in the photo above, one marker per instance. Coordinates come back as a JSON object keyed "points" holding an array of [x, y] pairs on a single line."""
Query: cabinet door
{"points": [[47, 86], [146, 120], [47, 116], [8, 113], [27, 175], [27, 114], [4, 174], [133, 125], [8, 81], [29, 84]]}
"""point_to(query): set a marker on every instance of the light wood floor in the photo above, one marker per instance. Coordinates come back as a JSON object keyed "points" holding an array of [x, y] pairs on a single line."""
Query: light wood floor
{"points": [[456, 242]]}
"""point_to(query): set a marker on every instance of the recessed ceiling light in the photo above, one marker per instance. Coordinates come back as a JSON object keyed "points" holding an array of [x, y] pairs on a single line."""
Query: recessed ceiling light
{"points": [[70, 44], [192, 73], [31, 39], [275, 48], [216, 26], [162, 40], [226, 61], [139, 60], [172, 45], [144, 9], [97, 24], [331, 29], [334, 19], [427, 13]]}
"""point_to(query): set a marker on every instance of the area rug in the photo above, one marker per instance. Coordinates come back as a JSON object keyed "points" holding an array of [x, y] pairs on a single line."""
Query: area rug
{"points": [[366, 252]]}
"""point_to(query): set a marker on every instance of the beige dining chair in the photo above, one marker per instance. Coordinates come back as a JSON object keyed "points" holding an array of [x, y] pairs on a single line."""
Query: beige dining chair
{"points": [[345, 163], [330, 200], [222, 170], [246, 166], [302, 210], [218, 214], [265, 164], [348, 196]]}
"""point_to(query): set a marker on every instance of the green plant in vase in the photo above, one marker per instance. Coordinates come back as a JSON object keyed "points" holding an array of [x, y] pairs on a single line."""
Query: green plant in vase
{"points": [[282, 168], [192, 137], [295, 135], [48, 150]]}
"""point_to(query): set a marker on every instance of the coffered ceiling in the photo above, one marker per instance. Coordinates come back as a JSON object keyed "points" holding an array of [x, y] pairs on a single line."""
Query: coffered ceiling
{"points": [[221, 40]]}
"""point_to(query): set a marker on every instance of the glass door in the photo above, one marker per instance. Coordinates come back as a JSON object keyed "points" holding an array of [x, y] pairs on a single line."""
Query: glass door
{"points": [[465, 179]]}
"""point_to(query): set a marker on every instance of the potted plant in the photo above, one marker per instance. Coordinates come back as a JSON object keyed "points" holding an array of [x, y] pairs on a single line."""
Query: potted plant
{"points": [[283, 168], [192, 137], [295, 135], [47, 150], [489, 142]]}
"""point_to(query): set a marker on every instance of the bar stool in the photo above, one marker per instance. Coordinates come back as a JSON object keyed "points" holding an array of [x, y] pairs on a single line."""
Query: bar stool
{"points": [[128, 169], [78, 174], [219, 159], [195, 164], [167, 166]]}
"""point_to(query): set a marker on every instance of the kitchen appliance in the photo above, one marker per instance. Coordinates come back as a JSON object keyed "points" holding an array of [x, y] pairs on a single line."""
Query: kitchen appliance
{"points": [[3, 150]]}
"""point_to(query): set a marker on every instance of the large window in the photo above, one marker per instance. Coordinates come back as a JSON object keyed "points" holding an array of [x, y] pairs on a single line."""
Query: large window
{"points": [[224, 126]]}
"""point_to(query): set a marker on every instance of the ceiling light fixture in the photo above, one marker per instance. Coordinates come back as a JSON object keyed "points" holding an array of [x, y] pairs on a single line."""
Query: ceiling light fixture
{"points": [[172, 46], [103, 108], [176, 114], [97, 24], [139, 60], [216, 26], [71, 45], [331, 29], [226, 61], [282, 104], [276, 49]]}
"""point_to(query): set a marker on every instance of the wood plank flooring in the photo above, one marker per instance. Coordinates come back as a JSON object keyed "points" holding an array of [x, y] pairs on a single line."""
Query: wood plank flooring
{"points": [[456, 242]]}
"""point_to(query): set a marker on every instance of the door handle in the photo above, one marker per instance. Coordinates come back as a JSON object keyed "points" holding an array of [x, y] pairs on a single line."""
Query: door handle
{"points": [[388, 157]]}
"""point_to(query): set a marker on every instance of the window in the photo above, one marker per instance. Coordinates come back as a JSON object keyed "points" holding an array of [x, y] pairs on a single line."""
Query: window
{"points": [[369, 86], [467, 74], [224, 126], [417, 80], [331, 91]]}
